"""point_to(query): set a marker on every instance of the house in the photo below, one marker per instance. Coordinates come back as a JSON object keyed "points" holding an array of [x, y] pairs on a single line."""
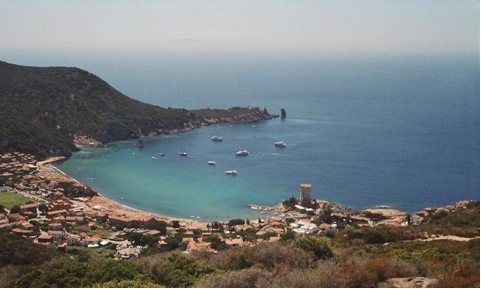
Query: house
{"points": [[274, 238], [73, 240], [325, 226], [21, 232], [45, 239], [57, 235], [75, 220], [119, 221], [59, 205], [29, 215], [26, 226], [236, 242], [15, 218], [55, 226], [153, 233], [188, 239], [94, 240], [29, 208], [58, 195], [101, 217], [52, 214]]}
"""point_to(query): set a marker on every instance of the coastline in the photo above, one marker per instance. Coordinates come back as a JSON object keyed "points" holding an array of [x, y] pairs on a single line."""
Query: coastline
{"points": [[102, 203]]}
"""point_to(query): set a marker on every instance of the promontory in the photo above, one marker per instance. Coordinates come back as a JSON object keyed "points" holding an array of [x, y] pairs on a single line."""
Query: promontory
{"points": [[46, 110]]}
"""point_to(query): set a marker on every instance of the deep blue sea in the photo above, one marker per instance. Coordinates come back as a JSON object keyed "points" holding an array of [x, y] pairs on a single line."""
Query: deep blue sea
{"points": [[364, 130]]}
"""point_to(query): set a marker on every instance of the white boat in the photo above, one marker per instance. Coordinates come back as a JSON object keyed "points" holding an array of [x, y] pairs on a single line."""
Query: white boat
{"points": [[154, 158], [280, 144], [231, 172], [217, 138], [184, 154], [161, 154], [212, 163], [242, 153]]}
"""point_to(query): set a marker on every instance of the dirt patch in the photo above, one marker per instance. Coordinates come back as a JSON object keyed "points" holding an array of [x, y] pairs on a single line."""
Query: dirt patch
{"points": [[410, 282]]}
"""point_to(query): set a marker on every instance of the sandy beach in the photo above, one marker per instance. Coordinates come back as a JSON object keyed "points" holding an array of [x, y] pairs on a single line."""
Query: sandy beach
{"points": [[105, 204]]}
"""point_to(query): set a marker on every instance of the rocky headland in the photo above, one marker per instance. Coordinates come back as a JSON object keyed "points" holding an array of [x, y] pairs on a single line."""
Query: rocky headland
{"points": [[48, 111]]}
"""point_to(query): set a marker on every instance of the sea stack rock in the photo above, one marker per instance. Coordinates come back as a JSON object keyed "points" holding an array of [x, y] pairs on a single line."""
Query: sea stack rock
{"points": [[283, 113]]}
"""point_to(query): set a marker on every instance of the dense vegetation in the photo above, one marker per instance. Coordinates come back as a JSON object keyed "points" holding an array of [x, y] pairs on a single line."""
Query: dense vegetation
{"points": [[352, 257], [44, 109]]}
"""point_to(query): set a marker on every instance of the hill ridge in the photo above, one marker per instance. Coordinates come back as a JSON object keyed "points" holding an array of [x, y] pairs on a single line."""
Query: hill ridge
{"points": [[45, 108]]}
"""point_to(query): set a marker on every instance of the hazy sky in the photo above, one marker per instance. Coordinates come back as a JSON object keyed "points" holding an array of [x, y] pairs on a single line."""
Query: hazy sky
{"points": [[308, 26]]}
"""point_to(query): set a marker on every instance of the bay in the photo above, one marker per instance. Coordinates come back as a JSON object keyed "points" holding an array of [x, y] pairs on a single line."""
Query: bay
{"points": [[400, 130]]}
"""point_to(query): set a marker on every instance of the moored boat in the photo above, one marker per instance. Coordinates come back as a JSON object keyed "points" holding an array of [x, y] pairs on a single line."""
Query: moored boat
{"points": [[231, 172], [216, 138], [184, 154], [280, 144], [212, 163], [242, 153]]}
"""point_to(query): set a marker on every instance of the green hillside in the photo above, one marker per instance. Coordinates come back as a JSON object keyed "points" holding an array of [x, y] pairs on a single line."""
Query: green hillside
{"points": [[44, 108]]}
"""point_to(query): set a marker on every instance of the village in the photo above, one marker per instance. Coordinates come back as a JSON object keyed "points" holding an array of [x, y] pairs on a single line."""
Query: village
{"points": [[64, 213]]}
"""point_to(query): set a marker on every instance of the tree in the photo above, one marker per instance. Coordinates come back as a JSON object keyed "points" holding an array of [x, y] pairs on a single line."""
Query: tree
{"points": [[175, 224], [325, 216], [235, 222], [157, 225], [320, 247], [15, 209], [290, 203], [217, 226], [42, 208]]}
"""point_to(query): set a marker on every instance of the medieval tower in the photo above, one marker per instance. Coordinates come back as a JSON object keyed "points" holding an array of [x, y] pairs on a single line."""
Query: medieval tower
{"points": [[305, 194]]}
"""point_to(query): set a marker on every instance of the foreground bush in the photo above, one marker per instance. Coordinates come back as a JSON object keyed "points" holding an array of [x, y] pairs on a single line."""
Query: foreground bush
{"points": [[270, 256], [319, 247], [174, 269]]}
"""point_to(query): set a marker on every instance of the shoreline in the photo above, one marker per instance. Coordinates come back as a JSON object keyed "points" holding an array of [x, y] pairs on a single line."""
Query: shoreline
{"points": [[103, 203]]}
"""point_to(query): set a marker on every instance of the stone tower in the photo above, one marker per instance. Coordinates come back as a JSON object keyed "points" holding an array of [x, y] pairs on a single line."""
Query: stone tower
{"points": [[305, 193]]}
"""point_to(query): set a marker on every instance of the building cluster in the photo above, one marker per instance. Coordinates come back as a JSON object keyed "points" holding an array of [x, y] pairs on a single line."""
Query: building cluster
{"points": [[53, 217], [15, 165]]}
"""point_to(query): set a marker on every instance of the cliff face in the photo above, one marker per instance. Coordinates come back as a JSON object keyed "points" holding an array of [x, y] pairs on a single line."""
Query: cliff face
{"points": [[43, 110]]}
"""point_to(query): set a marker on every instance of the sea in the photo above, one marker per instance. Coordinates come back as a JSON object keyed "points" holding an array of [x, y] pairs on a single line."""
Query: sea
{"points": [[365, 130]]}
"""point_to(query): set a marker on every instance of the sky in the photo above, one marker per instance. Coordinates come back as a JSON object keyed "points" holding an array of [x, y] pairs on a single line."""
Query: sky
{"points": [[247, 25]]}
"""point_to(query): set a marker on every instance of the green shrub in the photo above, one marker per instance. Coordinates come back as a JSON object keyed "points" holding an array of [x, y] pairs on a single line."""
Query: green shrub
{"points": [[320, 247]]}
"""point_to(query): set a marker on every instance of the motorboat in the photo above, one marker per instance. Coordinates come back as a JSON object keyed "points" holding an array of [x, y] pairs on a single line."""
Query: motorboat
{"points": [[280, 144], [184, 154], [216, 138], [212, 163], [161, 154], [231, 172], [242, 153], [154, 158]]}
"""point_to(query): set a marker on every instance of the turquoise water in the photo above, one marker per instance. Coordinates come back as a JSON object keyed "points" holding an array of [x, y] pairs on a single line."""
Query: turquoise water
{"points": [[400, 131]]}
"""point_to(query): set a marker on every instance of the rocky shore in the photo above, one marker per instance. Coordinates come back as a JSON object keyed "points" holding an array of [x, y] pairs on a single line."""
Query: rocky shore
{"points": [[200, 118]]}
